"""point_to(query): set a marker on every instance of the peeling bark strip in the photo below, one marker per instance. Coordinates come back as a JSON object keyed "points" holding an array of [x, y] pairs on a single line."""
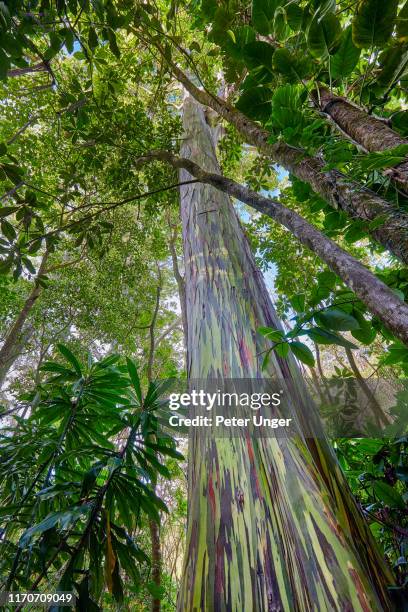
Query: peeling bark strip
{"points": [[272, 524], [364, 129], [379, 299], [13, 338], [334, 187]]}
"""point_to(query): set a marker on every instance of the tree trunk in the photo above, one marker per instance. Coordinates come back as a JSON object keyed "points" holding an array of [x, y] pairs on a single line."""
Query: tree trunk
{"points": [[365, 130], [379, 299], [272, 524], [335, 188], [378, 412], [180, 283], [15, 352], [14, 336]]}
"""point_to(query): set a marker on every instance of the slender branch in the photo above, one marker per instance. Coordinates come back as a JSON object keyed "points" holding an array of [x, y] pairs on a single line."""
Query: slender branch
{"points": [[378, 298]]}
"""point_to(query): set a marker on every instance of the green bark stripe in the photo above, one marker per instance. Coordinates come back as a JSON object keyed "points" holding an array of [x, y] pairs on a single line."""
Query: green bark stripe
{"points": [[272, 524]]}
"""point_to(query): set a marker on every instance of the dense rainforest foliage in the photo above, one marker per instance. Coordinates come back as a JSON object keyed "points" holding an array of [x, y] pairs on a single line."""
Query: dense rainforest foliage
{"points": [[125, 126]]}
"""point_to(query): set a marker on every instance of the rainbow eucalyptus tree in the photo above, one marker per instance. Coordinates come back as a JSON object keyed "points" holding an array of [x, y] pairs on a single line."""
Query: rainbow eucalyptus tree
{"points": [[272, 524]]}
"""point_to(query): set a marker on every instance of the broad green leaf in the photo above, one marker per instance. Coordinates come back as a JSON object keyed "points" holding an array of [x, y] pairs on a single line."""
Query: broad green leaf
{"points": [[374, 22], [399, 121], [8, 230], [388, 495], [302, 352], [346, 57], [366, 333], [134, 377], [92, 39], [69, 356], [281, 349], [324, 36], [298, 302], [337, 319], [290, 65], [322, 336], [294, 16], [326, 279], [275, 335], [256, 103], [263, 12], [258, 53]]}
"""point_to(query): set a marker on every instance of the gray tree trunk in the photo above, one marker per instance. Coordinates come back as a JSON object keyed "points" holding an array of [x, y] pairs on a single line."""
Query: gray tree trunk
{"points": [[15, 337], [365, 130]]}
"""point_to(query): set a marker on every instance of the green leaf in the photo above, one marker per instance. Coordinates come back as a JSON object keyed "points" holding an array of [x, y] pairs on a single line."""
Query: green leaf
{"points": [[393, 62], [237, 40], [157, 591], [324, 35], [282, 349], [388, 495], [402, 24], [166, 450], [322, 336], [134, 377], [258, 53], [367, 333], [7, 210], [8, 230], [92, 39], [326, 279], [256, 103], [263, 12], [4, 64], [287, 108], [63, 519], [346, 57], [290, 65], [70, 357], [275, 335], [374, 22], [337, 319], [378, 160], [302, 352], [298, 302], [113, 46], [294, 16], [13, 172], [399, 121], [397, 353]]}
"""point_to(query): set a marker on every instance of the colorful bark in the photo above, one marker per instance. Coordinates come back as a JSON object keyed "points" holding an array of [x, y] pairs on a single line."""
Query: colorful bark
{"points": [[272, 524]]}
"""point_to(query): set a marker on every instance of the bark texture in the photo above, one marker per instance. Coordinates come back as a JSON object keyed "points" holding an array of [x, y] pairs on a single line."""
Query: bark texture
{"points": [[365, 130], [15, 352], [15, 334], [334, 187], [272, 524], [379, 299]]}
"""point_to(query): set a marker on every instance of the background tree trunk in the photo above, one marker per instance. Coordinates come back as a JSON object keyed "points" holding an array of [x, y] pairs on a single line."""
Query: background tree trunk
{"points": [[272, 524], [14, 339], [15, 352]]}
